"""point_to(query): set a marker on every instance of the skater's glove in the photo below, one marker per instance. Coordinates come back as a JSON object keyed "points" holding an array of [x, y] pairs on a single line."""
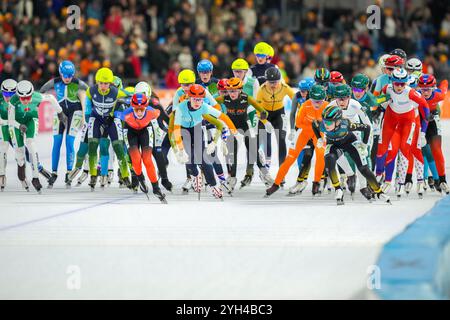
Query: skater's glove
{"points": [[224, 149], [211, 147], [362, 149], [423, 140], [264, 115], [23, 128], [63, 118], [320, 144], [182, 156], [291, 135]]}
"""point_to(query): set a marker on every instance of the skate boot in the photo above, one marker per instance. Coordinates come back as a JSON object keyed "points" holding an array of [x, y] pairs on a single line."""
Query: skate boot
{"points": [[22, 177], [266, 178], [158, 193], [343, 181], [73, 174], [431, 183], [121, 184], [420, 189], [134, 181], [384, 197], [298, 187], [187, 185], [197, 183], [67, 181], [126, 182], [274, 188], [83, 177], [45, 173], [316, 188], [351, 183], [398, 190], [217, 192], [246, 181], [437, 186], [52, 180], [339, 196], [443, 185], [408, 183], [367, 193], [103, 181], [37, 185], [229, 185], [167, 184], [2, 182], [93, 182], [110, 176], [141, 181]]}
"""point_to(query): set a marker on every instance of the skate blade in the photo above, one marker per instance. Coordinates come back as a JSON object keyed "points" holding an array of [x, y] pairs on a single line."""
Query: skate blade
{"points": [[340, 202], [290, 194]]}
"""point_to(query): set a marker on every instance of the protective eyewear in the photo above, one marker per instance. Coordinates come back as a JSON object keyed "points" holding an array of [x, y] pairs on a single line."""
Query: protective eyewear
{"points": [[358, 90], [328, 122], [234, 91], [316, 101], [7, 94], [25, 99], [261, 56], [197, 99], [390, 68], [426, 89], [399, 84]]}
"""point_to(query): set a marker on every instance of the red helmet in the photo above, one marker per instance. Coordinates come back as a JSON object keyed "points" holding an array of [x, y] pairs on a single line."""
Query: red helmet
{"points": [[427, 81], [394, 61], [196, 91], [139, 101], [336, 77], [222, 84]]}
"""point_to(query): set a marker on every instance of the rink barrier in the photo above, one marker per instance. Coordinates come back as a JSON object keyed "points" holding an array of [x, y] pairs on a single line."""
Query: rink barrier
{"points": [[416, 263]]}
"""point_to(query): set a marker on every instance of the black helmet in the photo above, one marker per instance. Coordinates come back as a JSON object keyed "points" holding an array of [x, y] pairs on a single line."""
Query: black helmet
{"points": [[332, 113], [399, 52], [273, 74]]}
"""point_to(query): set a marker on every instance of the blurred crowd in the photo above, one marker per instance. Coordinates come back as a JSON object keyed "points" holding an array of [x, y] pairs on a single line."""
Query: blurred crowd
{"points": [[154, 40]]}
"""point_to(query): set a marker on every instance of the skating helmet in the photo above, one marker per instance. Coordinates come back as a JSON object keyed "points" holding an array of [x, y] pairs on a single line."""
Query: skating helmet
{"points": [[427, 81], [239, 64], [336, 77], [196, 91], [205, 66], [9, 87], [67, 69]]}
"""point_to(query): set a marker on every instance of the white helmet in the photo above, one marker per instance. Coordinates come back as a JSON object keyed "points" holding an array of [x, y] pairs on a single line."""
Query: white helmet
{"points": [[382, 60], [400, 75], [9, 86], [24, 88], [143, 87], [414, 64]]}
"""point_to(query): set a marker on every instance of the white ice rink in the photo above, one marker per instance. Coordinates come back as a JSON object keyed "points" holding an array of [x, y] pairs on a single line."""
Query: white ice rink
{"points": [[75, 244]]}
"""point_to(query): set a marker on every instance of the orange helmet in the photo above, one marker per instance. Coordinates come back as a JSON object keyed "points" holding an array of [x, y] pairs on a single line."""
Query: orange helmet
{"points": [[234, 84], [196, 91]]}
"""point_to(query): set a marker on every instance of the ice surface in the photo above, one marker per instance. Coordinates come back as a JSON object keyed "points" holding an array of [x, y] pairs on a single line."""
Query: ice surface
{"points": [[77, 244]]}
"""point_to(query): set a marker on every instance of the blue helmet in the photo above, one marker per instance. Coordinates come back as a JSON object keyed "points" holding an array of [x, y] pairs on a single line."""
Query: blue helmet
{"points": [[67, 69], [204, 66], [306, 84]]}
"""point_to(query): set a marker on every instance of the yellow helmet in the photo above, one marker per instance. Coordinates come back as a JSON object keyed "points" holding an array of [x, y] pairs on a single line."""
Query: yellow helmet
{"points": [[104, 75], [186, 76], [239, 64], [262, 48]]}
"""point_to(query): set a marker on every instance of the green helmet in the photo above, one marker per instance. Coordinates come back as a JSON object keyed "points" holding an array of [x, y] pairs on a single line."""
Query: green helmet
{"points": [[360, 81], [332, 113], [317, 92], [342, 91], [322, 75], [117, 82]]}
